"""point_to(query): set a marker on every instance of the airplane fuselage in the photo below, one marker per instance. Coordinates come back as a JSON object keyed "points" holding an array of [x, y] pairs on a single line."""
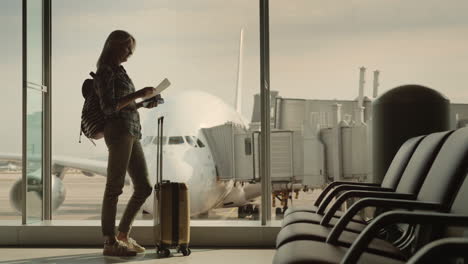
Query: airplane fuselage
{"points": [[186, 154]]}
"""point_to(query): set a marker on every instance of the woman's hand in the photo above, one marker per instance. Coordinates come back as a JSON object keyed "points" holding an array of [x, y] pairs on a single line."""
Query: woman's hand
{"points": [[152, 104], [146, 92]]}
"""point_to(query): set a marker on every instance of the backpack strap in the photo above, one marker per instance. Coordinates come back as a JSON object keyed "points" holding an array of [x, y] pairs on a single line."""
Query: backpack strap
{"points": [[81, 133]]}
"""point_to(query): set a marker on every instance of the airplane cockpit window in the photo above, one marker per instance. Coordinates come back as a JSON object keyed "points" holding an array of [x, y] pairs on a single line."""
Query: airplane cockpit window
{"points": [[200, 143], [176, 140], [190, 141], [146, 140], [155, 140]]}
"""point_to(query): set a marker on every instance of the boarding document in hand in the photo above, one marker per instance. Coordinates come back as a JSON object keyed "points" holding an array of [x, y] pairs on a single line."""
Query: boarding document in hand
{"points": [[153, 97], [161, 87]]}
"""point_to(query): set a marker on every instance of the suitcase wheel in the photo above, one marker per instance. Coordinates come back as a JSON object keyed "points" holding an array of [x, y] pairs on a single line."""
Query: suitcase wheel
{"points": [[164, 252], [185, 251]]}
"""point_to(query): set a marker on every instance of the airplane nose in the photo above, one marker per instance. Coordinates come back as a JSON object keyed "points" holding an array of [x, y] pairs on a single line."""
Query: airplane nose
{"points": [[187, 167], [175, 169]]}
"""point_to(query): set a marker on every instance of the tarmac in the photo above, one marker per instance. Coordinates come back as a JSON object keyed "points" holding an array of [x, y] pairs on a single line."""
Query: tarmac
{"points": [[84, 198]]}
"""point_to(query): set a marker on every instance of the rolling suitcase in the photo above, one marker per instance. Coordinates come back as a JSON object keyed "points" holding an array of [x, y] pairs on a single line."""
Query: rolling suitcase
{"points": [[171, 208]]}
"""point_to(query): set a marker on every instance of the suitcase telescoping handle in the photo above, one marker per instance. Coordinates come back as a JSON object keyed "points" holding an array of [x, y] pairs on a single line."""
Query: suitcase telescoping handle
{"points": [[159, 161]]}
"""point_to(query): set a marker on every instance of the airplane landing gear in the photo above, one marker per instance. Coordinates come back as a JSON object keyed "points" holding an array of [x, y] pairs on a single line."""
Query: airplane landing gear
{"points": [[241, 212], [283, 197], [248, 210], [278, 211], [256, 213]]}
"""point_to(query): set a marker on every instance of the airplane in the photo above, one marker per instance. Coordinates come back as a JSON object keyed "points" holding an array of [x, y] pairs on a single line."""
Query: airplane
{"points": [[8, 166], [186, 155]]}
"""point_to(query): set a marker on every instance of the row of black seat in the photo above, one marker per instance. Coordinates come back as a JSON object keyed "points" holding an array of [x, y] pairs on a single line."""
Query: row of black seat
{"points": [[424, 191]]}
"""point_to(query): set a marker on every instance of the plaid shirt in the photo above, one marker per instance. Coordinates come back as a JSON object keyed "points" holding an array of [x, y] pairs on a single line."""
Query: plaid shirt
{"points": [[112, 84]]}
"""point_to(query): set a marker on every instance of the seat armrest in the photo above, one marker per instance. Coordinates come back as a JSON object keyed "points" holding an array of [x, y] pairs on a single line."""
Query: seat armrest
{"points": [[380, 203], [347, 187], [430, 253], [405, 217], [332, 185], [361, 194]]}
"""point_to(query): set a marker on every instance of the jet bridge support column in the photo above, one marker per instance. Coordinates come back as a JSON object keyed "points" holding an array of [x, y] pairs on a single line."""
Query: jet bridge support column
{"points": [[337, 149]]}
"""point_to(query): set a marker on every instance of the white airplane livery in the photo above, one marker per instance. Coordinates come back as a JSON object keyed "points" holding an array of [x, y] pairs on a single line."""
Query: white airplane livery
{"points": [[186, 154]]}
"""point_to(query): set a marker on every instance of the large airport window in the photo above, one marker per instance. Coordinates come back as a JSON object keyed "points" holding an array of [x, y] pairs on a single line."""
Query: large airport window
{"points": [[11, 111], [330, 61], [213, 57], [77, 44], [186, 47]]}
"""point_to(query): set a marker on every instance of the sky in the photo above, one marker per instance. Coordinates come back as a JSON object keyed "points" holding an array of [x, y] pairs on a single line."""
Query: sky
{"points": [[316, 49]]}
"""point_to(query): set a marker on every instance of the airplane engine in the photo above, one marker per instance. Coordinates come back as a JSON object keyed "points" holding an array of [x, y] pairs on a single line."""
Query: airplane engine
{"points": [[34, 197]]}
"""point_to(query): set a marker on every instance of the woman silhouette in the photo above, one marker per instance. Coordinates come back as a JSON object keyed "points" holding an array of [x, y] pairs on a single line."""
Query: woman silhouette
{"points": [[122, 133]]}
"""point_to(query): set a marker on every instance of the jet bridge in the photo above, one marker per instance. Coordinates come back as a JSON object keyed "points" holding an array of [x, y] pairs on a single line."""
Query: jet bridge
{"points": [[287, 165], [231, 146], [236, 154], [285, 155]]}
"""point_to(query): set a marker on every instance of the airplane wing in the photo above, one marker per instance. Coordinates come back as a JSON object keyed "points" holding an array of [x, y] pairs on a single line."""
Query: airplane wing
{"points": [[85, 165], [89, 166]]}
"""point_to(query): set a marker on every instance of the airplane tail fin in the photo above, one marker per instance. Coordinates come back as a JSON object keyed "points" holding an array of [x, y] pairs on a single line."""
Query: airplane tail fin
{"points": [[238, 97]]}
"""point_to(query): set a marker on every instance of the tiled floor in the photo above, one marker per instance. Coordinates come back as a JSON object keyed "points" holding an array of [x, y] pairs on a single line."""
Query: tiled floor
{"points": [[94, 255]]}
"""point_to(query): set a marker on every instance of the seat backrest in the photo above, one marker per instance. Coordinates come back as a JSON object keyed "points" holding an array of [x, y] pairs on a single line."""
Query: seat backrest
{"points": [[399, 162], [428, 233], [448, 170], [421, 161], [459, 205]]}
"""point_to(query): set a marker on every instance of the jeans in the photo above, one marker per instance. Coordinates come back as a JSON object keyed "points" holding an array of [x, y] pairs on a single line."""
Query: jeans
{"points": [[125, 154]]}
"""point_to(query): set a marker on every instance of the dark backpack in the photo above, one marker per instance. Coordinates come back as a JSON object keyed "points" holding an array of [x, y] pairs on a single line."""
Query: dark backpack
{"points": [[92, 117]]}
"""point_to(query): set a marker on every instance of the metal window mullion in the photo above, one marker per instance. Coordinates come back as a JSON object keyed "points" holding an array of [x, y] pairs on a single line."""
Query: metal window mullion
{"points": [[47, 111], [24, 117], [265, 112]]}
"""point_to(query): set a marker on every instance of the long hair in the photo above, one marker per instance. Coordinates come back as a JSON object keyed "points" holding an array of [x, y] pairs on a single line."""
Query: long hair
{"points": [[115, 42]]}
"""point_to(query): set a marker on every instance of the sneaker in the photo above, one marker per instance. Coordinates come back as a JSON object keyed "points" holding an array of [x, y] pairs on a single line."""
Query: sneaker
{"points": [[133, 245], [118, 248]]}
